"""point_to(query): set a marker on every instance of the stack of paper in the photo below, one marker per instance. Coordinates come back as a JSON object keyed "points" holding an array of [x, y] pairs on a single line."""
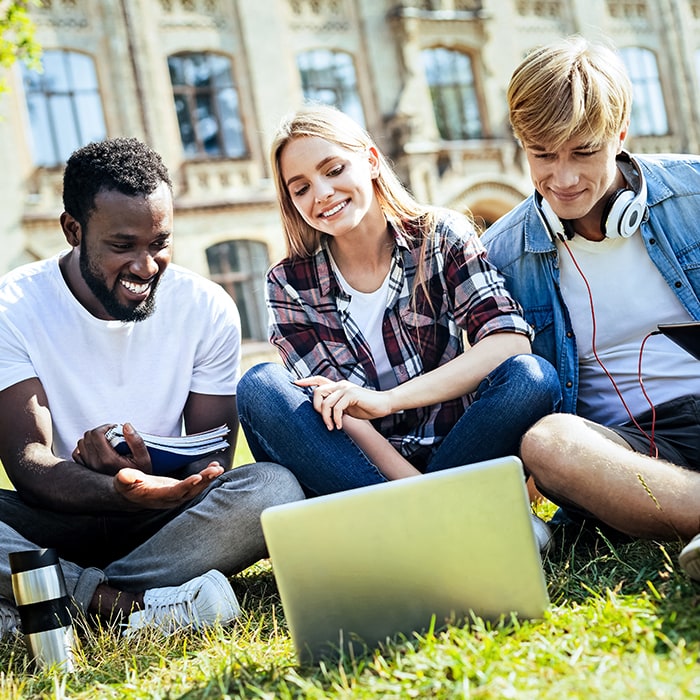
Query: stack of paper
{"points": [[170, 453]]}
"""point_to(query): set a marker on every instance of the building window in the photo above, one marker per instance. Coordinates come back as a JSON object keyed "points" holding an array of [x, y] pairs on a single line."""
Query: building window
{"points": [[240, 267], [207, 106], [451, 80], [63, 101], [648, 109], [329, 77]]}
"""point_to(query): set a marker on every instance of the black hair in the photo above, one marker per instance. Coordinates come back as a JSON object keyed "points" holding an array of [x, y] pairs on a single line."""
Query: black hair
{"points": [[126, 165]]}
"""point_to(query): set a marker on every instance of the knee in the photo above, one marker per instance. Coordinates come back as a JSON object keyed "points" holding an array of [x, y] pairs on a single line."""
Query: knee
{"points": [[542, 448], [259, 382], [260, 375], [267, 483], [535, 376], [537, 370]]}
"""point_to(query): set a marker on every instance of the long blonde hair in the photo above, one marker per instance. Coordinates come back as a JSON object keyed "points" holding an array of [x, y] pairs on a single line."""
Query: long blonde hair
{"points": [[334, 126]]}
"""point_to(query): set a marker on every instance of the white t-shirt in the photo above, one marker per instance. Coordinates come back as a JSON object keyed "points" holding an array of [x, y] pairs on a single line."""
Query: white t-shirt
{"points": [[96, 371], [367, 311], [630, 297]]}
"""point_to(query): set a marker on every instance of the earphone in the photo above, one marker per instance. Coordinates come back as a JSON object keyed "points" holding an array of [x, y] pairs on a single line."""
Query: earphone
{"points": [[623, 213]]}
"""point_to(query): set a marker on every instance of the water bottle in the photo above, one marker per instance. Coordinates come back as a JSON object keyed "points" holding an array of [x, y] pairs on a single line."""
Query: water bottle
{"points": [[44, 608]]}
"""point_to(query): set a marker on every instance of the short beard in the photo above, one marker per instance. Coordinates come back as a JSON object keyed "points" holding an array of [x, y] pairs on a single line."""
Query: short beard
{"points": [[106, 296]]}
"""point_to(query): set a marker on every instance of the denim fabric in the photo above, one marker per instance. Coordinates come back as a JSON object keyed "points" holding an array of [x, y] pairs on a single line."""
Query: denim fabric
{"points": [[220, 529], [280, 424], [520, 247]]}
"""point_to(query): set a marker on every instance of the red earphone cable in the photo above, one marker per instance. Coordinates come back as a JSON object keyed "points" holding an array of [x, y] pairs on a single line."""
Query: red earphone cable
{"points": [[653, 450]]}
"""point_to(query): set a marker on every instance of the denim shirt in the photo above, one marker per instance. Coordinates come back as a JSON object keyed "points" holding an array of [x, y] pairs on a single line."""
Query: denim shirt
{"points": [[520, 247]]}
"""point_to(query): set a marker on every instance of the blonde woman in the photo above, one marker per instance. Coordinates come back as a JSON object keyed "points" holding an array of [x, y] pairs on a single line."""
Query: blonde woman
{"points": [[368, 312]]}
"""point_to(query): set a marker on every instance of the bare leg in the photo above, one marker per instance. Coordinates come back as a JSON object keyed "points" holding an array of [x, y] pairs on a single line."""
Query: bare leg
{"points": [[593, 468]]}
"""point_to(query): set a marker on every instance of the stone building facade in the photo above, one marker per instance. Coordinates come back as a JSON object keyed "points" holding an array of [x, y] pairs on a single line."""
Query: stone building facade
{"points": [[205, 82]]}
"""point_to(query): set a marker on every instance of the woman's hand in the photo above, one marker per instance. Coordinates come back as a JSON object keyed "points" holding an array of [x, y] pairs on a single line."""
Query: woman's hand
{"points": [[333, 399]]}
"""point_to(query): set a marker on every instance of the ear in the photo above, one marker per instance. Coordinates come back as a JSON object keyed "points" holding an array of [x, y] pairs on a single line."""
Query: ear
{"points": [[71, 229], [373, 155], [623, 136]]}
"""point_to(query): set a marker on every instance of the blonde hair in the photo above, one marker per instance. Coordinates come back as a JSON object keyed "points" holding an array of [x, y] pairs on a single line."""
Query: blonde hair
{"points": [[569, 88], [334, 126]]}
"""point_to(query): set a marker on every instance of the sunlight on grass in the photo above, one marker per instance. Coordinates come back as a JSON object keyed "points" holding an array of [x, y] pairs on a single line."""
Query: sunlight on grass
{"points": [[624, 622]]}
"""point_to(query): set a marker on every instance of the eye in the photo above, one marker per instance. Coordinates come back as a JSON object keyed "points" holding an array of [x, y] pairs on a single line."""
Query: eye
{"points": [[299, 191], [336, 170], [161, 244]]}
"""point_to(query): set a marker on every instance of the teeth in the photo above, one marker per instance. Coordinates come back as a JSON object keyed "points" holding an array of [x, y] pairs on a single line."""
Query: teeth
{"points": [[135, 288], [335, 210]]}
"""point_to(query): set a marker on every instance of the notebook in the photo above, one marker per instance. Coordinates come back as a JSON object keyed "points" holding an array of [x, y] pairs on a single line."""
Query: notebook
{"points": [[169, 453], [356, 567], [687, 335]]}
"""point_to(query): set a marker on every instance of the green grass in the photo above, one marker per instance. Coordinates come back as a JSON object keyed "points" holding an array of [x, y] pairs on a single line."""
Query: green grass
{"points": [[624, 622]]}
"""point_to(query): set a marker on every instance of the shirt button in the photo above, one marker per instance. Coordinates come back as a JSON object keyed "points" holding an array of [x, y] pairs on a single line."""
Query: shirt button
{"points": [[569, 385], [678, 285], [569, 334]]}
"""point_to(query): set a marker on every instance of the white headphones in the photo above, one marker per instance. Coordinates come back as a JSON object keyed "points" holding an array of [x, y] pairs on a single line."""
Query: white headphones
{"points": [[623, 213]]}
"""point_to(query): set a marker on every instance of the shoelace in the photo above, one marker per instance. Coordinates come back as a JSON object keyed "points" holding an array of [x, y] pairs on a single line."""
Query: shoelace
{"points": [[171, 610]]}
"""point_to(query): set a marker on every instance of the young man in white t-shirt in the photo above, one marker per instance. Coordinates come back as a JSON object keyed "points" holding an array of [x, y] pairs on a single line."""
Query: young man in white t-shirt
{"points": [[110, 332], [604, 250]]}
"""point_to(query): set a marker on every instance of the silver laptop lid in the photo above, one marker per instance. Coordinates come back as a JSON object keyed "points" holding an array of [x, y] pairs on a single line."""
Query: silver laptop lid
{"points": [[373, 562]]}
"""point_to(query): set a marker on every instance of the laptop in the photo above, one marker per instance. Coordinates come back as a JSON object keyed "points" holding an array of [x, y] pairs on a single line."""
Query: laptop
{"points": [[358, 567], [687, 335]]}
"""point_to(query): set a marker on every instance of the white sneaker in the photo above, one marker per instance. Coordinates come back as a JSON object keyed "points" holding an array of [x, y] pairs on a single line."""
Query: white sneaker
{"points": [[9, 618], [543, 534], [689, 558], [196, 604]]}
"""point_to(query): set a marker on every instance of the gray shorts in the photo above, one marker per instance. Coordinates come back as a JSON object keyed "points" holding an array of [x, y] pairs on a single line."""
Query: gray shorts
{"points": [[676, 431]]}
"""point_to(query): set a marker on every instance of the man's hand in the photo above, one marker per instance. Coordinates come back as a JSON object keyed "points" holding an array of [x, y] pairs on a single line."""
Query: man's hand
{"points": [[333, 399], [94, 452], [162, 492]]}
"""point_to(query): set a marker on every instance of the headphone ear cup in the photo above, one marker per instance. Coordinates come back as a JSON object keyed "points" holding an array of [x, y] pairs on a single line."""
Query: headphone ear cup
{"points": [[622, 215], [614, 212], [626, 208]]}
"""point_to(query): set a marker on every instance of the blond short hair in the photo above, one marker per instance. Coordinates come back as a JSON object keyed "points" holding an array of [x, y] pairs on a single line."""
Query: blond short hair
{"points": [[336, 127], [569, 88]]}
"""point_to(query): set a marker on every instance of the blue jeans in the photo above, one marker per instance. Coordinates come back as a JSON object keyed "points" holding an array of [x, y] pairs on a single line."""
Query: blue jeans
{"points": [[281, 424], [134, 551]]}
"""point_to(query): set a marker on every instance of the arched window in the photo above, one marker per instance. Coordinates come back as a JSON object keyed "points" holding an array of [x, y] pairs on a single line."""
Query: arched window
{"points": [[239, 267], [451, 80], [63, 101], [648, 109], [206, 102], [329, 77]]}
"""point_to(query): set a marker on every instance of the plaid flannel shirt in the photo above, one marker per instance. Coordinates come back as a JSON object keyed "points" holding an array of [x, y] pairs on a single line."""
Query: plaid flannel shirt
{"points": [[314, 333]]}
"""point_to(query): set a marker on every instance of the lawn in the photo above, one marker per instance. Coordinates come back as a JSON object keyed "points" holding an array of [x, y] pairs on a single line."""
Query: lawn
{"points": [[624, 621]]}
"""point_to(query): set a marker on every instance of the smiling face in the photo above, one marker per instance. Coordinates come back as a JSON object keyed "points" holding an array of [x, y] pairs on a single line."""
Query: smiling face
{"points": [[117, 261], [332, 187], [577, 179]]}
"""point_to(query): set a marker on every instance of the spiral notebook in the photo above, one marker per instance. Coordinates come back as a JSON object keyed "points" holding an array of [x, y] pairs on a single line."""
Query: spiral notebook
{"points": [[357, 567]]}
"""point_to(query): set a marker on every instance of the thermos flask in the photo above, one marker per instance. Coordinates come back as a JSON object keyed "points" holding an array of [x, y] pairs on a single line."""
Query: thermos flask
{"points": [[44, 607]]}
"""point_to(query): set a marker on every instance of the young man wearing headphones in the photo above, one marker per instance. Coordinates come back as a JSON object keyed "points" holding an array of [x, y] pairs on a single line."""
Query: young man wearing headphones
{"points": [[606, 248]]}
